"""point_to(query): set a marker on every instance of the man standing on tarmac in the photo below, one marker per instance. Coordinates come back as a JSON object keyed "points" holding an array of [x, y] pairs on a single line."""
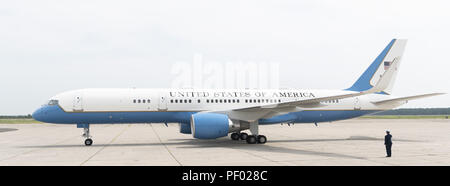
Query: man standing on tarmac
{"points": [[388, 143]]}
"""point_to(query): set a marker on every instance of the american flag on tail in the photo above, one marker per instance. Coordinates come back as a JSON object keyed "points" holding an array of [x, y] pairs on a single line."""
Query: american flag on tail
{"points": [[387, 64]]}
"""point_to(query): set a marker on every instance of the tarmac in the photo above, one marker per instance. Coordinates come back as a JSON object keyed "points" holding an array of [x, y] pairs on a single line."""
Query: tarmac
{"points": [[357, 142]]}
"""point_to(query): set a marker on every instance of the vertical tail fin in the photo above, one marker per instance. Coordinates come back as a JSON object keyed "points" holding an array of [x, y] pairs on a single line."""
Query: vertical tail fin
{"points": [[393, 52]]}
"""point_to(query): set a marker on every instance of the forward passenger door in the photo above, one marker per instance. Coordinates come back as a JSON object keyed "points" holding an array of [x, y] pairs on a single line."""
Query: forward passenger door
{"points": [[162, 105], [78, 103]]}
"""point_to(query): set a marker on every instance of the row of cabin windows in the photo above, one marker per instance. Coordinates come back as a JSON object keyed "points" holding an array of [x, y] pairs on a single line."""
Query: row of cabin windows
{"points": [[331, 101], [227, 101], [262, 101], [222, 101], [182, 101], [141, 101]]}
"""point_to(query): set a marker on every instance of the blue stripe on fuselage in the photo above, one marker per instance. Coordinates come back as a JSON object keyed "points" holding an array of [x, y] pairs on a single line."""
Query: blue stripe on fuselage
{"points": [[54, 114]]}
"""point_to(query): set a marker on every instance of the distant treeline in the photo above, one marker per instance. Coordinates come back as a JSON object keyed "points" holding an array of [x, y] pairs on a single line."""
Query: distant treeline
{"points": [[416, 111], [16, 117]]}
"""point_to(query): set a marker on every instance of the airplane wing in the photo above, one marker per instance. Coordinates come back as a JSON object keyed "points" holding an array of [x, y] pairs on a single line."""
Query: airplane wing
{"points": [[404, 99], [254, 113]]}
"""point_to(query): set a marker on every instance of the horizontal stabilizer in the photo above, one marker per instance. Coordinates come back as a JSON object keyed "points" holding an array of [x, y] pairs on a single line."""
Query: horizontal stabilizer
{"points": [[405, 99]]}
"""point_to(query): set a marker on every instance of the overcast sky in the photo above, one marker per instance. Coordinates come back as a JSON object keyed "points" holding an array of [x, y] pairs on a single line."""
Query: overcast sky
{"points": [[47, 47]]}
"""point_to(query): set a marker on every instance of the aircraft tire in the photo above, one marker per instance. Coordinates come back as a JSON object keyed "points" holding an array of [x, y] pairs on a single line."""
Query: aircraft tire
{"points": [[243, 136], [235, 136], [251, 139], [88, 142], [261, 139]]}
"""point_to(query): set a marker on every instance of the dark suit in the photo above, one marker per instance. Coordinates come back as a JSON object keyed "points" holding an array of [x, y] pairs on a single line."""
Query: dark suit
{"points": [[388, 143]]}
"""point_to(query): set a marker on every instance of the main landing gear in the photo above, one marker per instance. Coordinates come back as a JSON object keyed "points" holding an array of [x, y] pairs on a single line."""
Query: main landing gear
{"points": [[251, 139], [88, 141]]}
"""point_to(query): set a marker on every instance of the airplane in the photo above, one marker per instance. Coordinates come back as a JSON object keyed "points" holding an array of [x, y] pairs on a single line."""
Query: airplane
{"points": [[215, 113]]}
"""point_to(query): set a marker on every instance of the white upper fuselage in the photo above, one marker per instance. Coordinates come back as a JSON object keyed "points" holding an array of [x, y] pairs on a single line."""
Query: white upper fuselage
{"points": [[142, 100]]}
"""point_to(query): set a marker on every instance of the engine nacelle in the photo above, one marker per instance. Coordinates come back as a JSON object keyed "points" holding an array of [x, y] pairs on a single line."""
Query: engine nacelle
{"points": [[185, 128], [210, 125]]}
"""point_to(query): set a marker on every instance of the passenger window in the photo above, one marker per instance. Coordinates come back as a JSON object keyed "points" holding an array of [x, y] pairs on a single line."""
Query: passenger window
{"points": [[139, 101], [143, 101], [148, 101], [134, 101], [176, 101], [171, 101], [198, 101]]}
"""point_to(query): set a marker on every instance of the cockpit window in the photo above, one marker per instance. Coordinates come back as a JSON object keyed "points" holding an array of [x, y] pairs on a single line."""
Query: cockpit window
{"points": [[53, 102]]}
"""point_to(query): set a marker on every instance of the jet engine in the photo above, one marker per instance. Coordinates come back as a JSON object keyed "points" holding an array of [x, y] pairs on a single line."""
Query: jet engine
{"points": [[213, 125]]}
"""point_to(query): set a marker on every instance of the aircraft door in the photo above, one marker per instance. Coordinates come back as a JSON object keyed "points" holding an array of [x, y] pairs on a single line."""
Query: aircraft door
{"points": [[357, 105], [78, 103], [162, 105]]}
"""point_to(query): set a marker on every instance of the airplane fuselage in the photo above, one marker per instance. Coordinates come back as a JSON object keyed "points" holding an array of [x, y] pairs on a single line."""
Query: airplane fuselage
{"points": [[97, 106]]}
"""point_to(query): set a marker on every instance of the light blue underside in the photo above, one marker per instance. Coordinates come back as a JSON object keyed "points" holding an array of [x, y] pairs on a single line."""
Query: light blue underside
{"points": [[54, 114]]}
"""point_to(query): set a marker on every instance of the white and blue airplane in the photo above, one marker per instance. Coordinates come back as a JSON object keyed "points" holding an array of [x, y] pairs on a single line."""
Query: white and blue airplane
{"points": [[213, 113]]}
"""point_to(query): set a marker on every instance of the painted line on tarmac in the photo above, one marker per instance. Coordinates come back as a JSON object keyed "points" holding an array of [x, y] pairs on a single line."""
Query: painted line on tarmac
{"points": [[165, 146]]}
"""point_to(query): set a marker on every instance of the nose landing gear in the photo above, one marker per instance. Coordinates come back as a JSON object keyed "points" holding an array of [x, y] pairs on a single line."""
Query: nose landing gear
{"points": [[88, 141]]}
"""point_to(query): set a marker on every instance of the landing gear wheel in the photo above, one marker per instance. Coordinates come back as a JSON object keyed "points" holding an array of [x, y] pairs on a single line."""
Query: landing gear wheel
{"points": [[88, 142], [244, 136], [235, 136], [251, 139], [261, 139]]}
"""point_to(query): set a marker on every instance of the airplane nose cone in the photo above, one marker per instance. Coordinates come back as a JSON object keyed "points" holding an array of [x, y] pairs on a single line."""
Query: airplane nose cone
{"points": [[40, 114], [37, 115]]}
